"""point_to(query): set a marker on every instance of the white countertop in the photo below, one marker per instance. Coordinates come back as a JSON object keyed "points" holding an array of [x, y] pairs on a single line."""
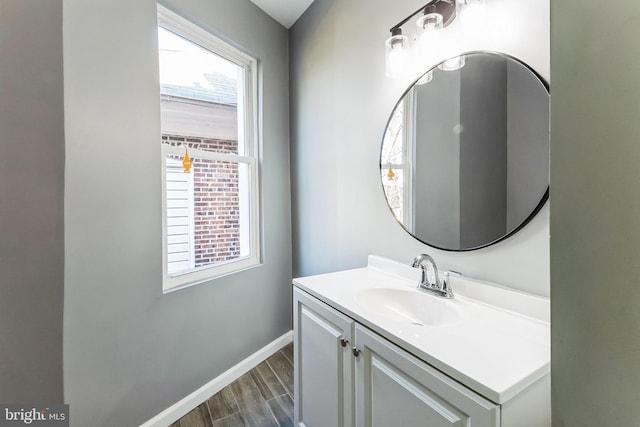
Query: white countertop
{"points": [[499, 346]]}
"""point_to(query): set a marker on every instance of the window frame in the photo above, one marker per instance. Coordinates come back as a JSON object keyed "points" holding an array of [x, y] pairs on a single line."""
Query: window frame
{"points": [[195, 34]]}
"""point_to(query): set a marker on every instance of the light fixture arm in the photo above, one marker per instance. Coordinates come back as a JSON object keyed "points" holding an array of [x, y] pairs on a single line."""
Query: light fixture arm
{"points": [[446, 8]]}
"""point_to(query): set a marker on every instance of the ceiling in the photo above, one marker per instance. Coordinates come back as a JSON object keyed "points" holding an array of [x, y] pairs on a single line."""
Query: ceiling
{"points": [[285, 12]]}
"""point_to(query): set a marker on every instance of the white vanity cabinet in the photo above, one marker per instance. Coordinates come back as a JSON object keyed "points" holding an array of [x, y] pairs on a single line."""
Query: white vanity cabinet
{"points": [[394, 388], [323, 364], [347, 375]]}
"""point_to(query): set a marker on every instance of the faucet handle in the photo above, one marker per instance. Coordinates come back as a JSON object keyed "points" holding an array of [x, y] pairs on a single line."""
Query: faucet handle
{"points": [[446, 282]]}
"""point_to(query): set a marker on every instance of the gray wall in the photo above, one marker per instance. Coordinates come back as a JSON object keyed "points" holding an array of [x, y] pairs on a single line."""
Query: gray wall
{"points": [[437, 151], [528, 126], [483, 151], [340, 103], [595, 217], [130, 351], [31, 201]]}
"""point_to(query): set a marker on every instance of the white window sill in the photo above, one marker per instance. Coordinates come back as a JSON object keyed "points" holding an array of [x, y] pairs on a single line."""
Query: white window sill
{"points": [[177, 282]]}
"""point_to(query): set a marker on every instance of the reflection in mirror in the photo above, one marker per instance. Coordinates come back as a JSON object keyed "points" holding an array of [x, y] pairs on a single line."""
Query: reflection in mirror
{"points": [[465, 155]]}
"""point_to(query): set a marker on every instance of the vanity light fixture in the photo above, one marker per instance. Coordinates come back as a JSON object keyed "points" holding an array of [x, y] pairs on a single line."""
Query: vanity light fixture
{"points": [[433, 17], [396, 55], [437, 15]]}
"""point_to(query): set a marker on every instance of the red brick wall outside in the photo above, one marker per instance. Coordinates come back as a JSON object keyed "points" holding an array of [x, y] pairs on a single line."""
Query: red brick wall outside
{"points": [[216, 200]]}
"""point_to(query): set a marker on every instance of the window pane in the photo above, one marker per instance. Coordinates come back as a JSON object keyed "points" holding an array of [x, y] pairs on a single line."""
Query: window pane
{"points": [[392, 162], [208, 213], [394, 147], [216, 212], [202, 94], [393, 185]]}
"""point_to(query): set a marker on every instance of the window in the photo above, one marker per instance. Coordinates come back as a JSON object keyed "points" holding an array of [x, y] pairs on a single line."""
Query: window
{"points": [[396, 160], [208, 107]]}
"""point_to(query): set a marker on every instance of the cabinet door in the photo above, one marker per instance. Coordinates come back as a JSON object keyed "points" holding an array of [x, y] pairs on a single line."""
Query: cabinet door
{"points": [[323, 368], [394, 388]]}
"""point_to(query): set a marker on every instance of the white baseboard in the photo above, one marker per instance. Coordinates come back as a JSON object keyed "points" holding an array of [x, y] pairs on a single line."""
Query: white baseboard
{"points": [[190, 402]]}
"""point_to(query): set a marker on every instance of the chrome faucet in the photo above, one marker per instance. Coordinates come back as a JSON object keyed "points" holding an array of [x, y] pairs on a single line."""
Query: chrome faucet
{"points": [[434, 285]]}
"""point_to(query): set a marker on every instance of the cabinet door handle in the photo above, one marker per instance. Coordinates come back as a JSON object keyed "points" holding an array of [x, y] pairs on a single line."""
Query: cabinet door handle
{"points": [[344, 342], [356, 352]]}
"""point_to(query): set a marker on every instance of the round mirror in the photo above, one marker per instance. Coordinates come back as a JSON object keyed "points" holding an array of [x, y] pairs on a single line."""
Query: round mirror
{"points": [[465, 156]]}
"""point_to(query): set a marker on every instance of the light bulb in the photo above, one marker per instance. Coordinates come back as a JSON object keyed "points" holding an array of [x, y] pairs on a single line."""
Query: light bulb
{"points": [[428, 40], [428, 24], [396, 55]]}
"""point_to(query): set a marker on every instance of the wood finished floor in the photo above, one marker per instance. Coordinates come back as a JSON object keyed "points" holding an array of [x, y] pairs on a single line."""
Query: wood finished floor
{"points": [[263, 397]]}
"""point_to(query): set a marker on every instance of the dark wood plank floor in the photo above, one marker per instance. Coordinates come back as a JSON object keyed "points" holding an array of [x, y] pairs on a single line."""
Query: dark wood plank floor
{"points": [[263, 397]]}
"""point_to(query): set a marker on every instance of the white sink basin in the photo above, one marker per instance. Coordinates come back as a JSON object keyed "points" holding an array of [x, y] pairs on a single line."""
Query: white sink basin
{"points": [[411, 306], [492, 339]]}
